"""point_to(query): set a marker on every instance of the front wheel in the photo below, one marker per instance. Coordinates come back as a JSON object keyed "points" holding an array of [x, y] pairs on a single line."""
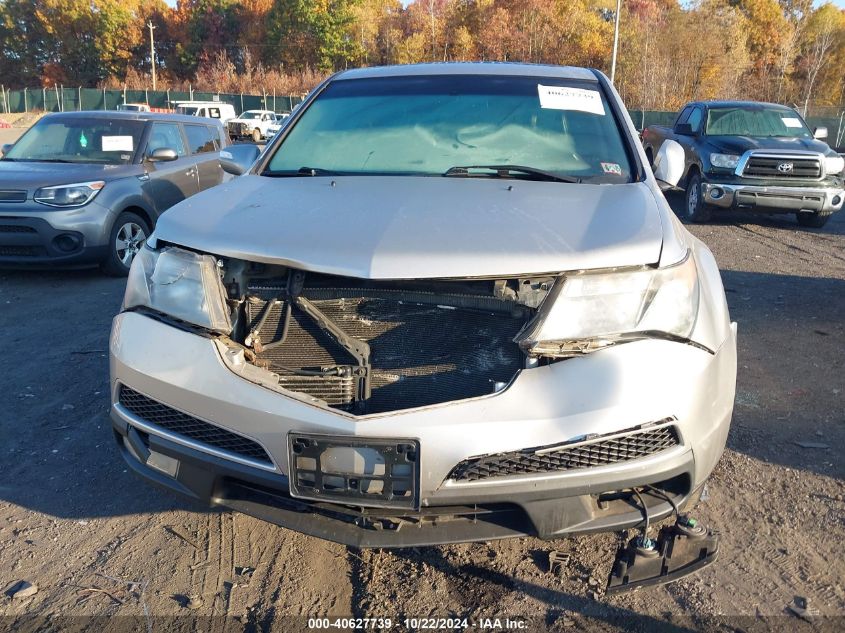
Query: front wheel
{"points": [[695, 209], [813, 220], [128, 234]]}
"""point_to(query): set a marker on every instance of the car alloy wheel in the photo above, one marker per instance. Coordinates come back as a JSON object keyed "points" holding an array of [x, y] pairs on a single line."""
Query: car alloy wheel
{"points": [[692, 200], [129, 239]]}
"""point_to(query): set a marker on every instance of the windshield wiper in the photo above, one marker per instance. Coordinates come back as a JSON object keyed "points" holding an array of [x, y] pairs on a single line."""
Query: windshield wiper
{"points": [[315, 171], [510, 171], [302, 171]]}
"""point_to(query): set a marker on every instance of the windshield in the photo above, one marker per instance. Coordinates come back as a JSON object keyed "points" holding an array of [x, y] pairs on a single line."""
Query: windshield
{"points": [[251, 115], [427, 125], [78, 140], [190, 110], [756, 121]]}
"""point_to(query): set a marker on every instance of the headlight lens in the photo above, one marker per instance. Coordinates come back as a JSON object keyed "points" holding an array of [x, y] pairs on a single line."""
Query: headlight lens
{"points": [[833, 164], [729, 161], [74, 195], [592, 310], [181, 284]]}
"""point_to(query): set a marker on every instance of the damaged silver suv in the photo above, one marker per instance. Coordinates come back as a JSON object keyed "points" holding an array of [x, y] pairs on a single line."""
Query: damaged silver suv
{"points": [[448, 302]]}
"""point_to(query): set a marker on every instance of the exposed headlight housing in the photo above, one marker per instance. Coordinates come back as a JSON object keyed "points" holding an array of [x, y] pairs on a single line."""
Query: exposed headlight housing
{"points": [[728, 161], [75, 195], [587, 311], [833, 164], [181, 284]]}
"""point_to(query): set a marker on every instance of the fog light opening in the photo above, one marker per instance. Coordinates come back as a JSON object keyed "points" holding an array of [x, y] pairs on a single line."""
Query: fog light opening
{"points": [[66, 242], [716, 193], [836, 201]]}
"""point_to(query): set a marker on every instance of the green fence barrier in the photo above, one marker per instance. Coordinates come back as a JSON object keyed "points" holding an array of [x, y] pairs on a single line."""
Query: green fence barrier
{"points": [[70, 99]]}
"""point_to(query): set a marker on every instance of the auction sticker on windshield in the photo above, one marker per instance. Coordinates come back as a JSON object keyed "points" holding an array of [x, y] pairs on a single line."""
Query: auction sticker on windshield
{"points": [[117, 144], [562, 98]]}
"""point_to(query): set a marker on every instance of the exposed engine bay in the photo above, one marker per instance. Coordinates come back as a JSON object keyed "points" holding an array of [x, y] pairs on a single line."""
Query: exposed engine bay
{"points": [[367, 346]]}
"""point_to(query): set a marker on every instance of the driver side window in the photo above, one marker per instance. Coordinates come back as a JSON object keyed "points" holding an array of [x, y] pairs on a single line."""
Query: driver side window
{"points": [[166, 135]]}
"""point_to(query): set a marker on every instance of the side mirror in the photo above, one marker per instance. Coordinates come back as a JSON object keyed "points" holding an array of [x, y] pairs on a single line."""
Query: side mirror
{"points": [[669, 164], [237, 159], [820, 133], [163, 155], [684, 129], [6, 147]]}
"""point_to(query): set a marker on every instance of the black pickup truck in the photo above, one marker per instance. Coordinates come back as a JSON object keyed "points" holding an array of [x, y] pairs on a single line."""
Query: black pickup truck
{"points": [[749, 155]]}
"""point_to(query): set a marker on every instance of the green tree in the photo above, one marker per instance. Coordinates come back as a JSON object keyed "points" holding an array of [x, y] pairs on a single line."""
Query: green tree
{"points": [[315, 33]]}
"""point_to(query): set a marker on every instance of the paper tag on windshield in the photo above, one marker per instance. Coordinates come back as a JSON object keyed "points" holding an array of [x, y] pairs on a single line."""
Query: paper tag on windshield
{"points": [[791, 121], [117, 144], [580, 99]]}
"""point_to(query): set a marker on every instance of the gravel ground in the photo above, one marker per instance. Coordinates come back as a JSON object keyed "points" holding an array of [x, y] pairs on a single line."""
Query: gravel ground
{"points": [[98, 542]]}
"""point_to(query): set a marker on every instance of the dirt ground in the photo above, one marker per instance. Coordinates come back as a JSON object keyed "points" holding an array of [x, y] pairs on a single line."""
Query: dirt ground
{"points": [[99, 542]]}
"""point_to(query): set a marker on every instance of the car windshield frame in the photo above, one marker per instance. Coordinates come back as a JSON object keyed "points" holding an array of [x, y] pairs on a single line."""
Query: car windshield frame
{"points": [[90, 129], [795, 128], [620, 168]]}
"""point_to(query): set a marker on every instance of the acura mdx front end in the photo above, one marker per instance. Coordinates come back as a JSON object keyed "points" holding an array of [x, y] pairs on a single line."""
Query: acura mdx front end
{"points": [[447, 303]]}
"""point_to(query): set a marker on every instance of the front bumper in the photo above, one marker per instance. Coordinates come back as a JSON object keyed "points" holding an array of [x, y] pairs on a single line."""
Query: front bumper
{"points": [[786, 199], [603, 393], [31, 235]]}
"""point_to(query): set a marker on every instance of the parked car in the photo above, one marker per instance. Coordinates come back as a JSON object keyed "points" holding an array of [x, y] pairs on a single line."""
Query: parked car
{"points": [[254, 124], [757, 156], [448, 303], [276, 125], [81, 188], [225, 112], [134, 107]]}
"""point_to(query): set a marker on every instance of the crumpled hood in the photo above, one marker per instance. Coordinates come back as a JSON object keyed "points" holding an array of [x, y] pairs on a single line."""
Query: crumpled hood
{"points": [[390, 227]]}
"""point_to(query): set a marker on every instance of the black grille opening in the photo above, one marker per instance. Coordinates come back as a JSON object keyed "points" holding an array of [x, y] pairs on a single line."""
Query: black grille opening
{"points": [[16, 228], [12, 195], [165, 417], [424, 350], [600, 451], [782, 167], [22, 251]]}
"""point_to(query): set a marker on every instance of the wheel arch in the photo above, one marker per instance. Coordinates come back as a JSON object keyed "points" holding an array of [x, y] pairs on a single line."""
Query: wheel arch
{"points": [[140, 211]]}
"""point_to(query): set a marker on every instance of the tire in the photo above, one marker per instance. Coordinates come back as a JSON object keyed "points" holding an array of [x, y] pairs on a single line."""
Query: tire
{"points": [[694, 208], [813, 220], [128, 234], [256, 135]]}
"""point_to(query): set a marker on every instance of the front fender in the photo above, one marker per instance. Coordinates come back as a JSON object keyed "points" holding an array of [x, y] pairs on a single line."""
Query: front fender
{"points": [[126, 193]]}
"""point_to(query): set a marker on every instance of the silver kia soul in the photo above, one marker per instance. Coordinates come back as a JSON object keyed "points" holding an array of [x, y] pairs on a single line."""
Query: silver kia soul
{"points": [[448, 302]]}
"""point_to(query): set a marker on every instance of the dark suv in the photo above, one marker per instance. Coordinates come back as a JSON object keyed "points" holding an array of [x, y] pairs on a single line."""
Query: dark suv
{"points": [[87, 187]]}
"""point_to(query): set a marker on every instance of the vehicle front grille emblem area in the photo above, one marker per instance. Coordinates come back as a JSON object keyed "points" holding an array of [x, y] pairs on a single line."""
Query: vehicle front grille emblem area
{"points": [[785, 168]]}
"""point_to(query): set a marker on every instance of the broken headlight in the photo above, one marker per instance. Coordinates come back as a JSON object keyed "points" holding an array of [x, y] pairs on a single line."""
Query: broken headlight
{"points": [[180, 284], [588, 311]]}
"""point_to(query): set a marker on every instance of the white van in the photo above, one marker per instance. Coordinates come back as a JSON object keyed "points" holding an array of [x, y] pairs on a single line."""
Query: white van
{"points": [[209, 109]]}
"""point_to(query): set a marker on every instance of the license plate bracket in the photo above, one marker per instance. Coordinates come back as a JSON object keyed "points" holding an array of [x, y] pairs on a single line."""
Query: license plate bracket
{"points": [[374, 472]]}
